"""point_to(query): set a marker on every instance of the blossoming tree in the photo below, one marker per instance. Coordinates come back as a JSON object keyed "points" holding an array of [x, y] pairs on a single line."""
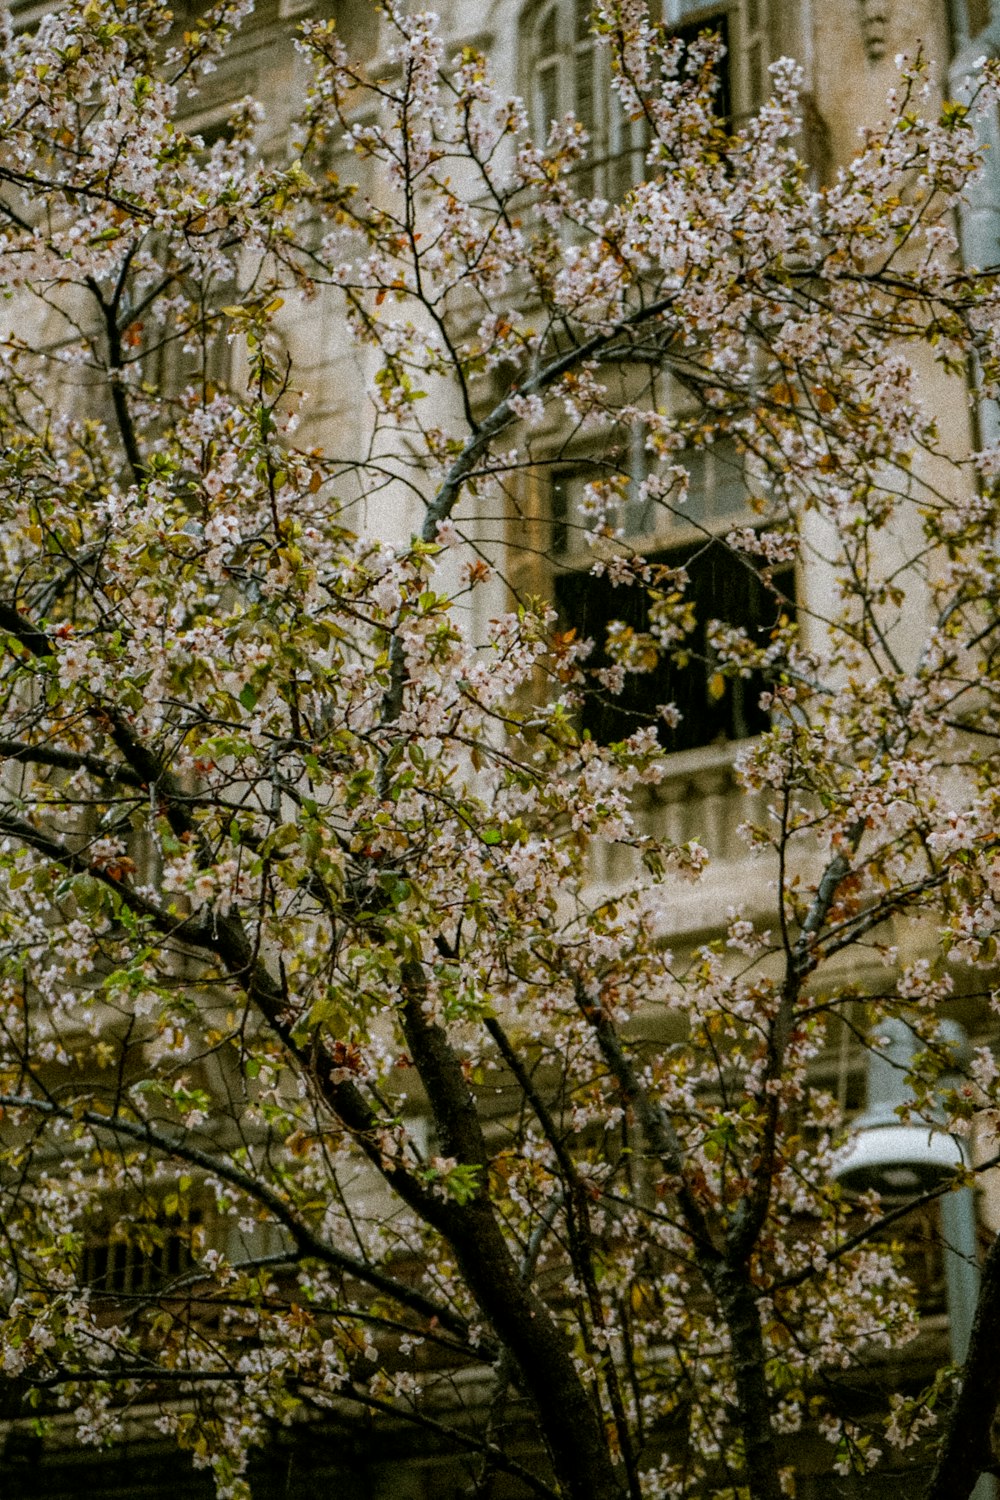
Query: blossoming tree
{"points": [[294, 857]]}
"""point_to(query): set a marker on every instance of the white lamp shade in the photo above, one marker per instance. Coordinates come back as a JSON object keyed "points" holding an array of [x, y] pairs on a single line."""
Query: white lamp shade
{"points": [[898, 1161]]}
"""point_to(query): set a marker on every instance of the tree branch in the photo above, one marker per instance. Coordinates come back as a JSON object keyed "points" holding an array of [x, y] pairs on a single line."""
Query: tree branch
{"points": [[310, 1245], [68, 760]]}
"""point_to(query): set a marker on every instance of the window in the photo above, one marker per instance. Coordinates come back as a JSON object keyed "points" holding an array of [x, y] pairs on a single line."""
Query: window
{"points": [[918, 1239], [743, 25], [744, 81], [140, 1260], [567, 70], [191, 348], [968, 19], [26, 14], [718, 494], [723, 585], [975, 29]]}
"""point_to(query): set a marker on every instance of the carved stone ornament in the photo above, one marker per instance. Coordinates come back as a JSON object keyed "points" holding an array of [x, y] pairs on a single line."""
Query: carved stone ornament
{"points": [[874, 23]]}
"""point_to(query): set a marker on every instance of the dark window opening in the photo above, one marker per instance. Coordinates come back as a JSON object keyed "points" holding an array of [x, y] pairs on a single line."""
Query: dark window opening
{"points": [[723, 586], [722, 99]]}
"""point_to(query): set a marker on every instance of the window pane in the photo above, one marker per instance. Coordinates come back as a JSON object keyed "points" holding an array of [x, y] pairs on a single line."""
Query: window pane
{"points": [[561, 512], [548, 98], [722, 587], [175, 1255], [978, 12], [95, 1266], [719, 24], [569, 519], [717, 489], [119, 1278], [756, 75], [586, 106], [584, 102], [548, 40], [697, 504], [640, 517], [728, 494]]}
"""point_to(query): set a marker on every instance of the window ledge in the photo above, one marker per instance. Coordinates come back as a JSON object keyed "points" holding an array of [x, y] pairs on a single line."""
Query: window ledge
{"points": [[700, 772]]}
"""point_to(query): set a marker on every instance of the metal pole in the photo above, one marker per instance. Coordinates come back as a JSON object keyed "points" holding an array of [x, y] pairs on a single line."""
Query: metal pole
{"points": [[961, 1277]]}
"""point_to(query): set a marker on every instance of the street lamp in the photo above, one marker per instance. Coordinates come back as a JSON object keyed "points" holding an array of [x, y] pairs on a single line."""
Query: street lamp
{"points": [[900, 1161], [903, 1161]]}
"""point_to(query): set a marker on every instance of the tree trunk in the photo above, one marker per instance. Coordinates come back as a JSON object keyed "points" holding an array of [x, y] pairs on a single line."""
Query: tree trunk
{"points": [[739, 1308], [568, 1419], [966, 1452]]}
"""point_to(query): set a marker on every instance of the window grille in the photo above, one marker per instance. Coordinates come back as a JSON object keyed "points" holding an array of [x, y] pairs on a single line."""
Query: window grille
{"points": [[142, 1263]]}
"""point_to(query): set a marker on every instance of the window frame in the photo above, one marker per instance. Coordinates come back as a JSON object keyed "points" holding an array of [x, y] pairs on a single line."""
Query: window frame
{"points": [[696, 539], [979, 215], [614, 140], [573, 56], [117, 1267]]}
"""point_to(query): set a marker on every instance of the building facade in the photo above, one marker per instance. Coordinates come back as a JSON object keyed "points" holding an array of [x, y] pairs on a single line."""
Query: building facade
{"points": [[545, 52]]}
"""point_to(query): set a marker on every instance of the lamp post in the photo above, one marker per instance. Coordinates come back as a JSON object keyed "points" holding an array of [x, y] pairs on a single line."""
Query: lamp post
{"points": [[902, 1161]]}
